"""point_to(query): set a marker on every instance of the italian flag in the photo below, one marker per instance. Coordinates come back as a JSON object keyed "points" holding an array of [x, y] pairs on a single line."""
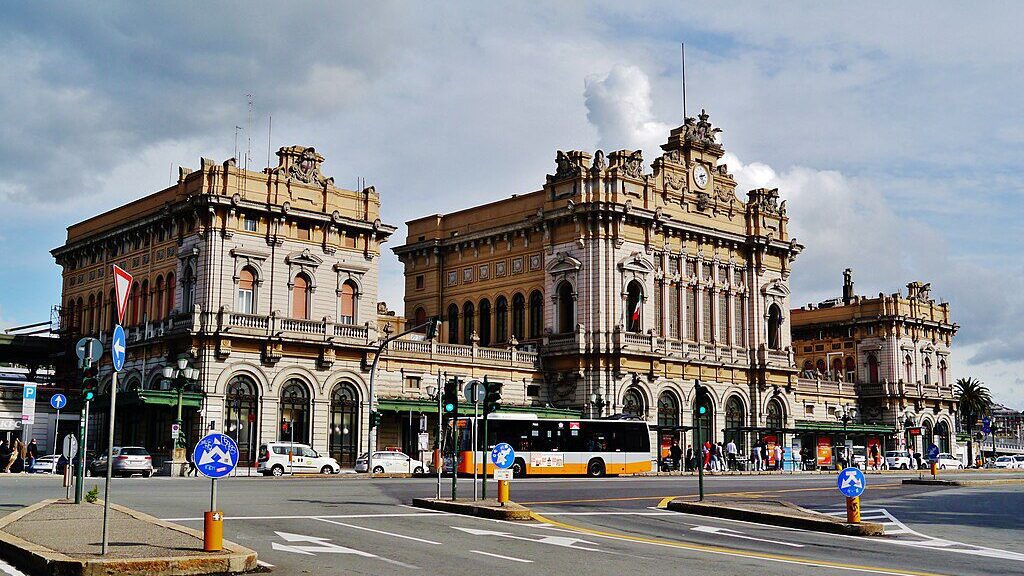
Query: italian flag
{"points": [[636, 315]]}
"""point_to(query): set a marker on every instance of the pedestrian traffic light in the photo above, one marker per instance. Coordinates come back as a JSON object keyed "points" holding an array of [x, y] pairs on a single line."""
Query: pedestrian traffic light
{"points": [[374, 419], [90, 382], [450, 398], [702, 398], [492, 396], [433, 327]]}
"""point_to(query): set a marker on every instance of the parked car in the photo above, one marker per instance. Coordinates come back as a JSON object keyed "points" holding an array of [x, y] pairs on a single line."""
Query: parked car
{"points": [[1005, 462], [898, 460], [45, 465], [947, 460], [860, 457], [279, 458], [1019, 461], [127, 461], [391, 463]]}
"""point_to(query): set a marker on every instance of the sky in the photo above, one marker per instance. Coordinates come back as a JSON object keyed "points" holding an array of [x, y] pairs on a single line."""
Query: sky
{"points": [[893, 130]]}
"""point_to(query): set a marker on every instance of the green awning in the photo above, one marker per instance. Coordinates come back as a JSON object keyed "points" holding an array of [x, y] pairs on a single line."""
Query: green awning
{"points": [[430, 407], [152, 398], [813, 426]]}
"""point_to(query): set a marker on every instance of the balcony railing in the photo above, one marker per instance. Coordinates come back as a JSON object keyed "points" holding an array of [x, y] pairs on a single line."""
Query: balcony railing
{"points": [[461, 353]]}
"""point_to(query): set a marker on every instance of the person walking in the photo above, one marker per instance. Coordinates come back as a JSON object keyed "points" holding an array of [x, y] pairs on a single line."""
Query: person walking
{"points": [[778, 457], [755, 457], [707, 455], [5, 456], [33, 452], [677, 455], [691, 464], [731, 451], [192, 469]]}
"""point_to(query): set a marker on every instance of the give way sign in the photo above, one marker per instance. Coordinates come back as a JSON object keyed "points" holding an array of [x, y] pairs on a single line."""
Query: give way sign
{"points": [[122, 285]]}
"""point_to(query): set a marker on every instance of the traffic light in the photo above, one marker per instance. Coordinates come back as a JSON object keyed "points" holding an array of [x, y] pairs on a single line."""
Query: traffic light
{"points": [[90, 382], [433, 327], [492, 397], [374, 419], [450, 398], [702, 399]]}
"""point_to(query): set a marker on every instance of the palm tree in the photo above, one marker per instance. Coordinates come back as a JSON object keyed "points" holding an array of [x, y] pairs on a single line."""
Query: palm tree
{"points": [[975, 401]]}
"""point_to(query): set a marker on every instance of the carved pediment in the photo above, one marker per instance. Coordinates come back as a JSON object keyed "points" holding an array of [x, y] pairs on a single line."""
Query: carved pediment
{"points": [[563, 262], [304, 258], [635, 262], [777, 288]]}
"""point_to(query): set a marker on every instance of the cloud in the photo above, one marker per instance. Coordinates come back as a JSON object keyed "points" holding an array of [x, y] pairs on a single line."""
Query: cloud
{"points": [[619, 106]]}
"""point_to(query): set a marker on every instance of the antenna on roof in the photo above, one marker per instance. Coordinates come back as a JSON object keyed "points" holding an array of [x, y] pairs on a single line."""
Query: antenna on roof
{"points": [[237, 128], [270, 128], [682, 60], [248, 133]]}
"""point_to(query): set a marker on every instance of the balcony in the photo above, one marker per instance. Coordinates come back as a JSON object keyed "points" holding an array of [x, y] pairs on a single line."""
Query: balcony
{"points": [[460, 354], [259, 325]]}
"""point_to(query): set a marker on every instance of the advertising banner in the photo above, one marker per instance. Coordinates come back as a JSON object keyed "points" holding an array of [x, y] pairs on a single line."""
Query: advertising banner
{"points": [[824, 452]]}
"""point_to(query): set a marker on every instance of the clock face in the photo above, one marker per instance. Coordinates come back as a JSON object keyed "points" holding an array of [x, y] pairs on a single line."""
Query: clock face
{"points": [[700, 176]]}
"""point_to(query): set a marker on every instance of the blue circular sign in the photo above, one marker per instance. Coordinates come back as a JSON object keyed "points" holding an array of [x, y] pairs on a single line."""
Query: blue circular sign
{"points": [[933, 452], [58, 401], [503, 456], [216, 455], [117, 348], [851, 482]]}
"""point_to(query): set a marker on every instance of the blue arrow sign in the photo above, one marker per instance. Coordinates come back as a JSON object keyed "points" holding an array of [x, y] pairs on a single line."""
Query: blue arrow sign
{"points": [[117, 348], [986, 425], [502, 455], [851, 482], [933, 452], [58, 401], [216, 455]]}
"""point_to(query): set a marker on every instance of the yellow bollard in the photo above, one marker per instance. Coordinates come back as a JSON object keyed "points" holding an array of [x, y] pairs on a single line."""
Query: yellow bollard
{"points": [[213, 531], [853, 510], [503, 491], [935, 469]]}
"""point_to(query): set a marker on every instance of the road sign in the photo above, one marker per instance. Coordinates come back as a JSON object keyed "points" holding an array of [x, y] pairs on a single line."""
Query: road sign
{"points": [[986, 425], [122, 285], [117, 348], [216, 455], [58, 401], [505, 474], [28, 404], [851, 482], [502, 455], [89, 349], [69, 449], [933, 453], [474, 391], [175, 429]]}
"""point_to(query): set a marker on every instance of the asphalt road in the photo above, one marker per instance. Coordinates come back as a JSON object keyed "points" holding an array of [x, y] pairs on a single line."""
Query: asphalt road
{"points": [[601, 526]]}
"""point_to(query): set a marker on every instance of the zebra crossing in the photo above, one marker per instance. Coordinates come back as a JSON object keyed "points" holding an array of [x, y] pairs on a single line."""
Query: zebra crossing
{"points": [[907, 536]]}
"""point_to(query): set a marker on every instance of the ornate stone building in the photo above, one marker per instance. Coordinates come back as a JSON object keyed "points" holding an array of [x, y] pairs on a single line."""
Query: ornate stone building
{"points": [[887, 357], [630, 283]]}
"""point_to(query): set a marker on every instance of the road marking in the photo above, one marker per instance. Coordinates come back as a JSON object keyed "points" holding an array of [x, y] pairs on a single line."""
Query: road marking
{"points": [[732, 551], [552, 540], [659, 513], [10, 570], [597, 500], [413, 538], [523, 560], [264, 564], [316, 545], [734, 534], [310, 517], [664, 500]]}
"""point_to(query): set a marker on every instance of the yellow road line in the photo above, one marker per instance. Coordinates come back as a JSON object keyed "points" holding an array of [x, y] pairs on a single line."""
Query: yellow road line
{"points": [[664, 501], [731, 551]]}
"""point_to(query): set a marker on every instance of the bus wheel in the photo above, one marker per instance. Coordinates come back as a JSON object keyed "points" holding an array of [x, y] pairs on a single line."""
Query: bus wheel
{"points": [[595, 468], [518, 468]]}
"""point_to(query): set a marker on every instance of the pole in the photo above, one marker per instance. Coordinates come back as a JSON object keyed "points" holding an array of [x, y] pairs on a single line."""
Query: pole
{"points": [[483, 450], [110, 464], [475, 438], [438, 457], [853, 510], [80, 469], [56, 432], [700, 459]]}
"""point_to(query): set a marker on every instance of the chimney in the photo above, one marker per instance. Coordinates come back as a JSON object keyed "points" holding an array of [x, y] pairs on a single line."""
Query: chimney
{"points": [[847, 286]]}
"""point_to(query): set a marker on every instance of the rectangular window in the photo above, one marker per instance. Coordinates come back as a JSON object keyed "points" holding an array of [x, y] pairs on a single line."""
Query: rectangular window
{"points": [[691, 268], [304, 232], [691, 314], [737, 301], [673, 265], [723, 318], [412, 382], [673, 311], [659, 287], [245, 300], [419, 282], [348, 241], [250, 224], [533, 390], [808, 409], [707, 307]]}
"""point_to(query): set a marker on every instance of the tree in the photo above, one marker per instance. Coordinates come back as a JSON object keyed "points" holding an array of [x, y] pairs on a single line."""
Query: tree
{"points": [[975, 401]]}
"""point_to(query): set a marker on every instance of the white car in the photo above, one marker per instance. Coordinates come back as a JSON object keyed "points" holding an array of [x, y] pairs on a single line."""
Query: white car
{"points": [[391, 463], [898, 460], [45, 464], [280, 458], [946, 460], [1019, 461], [1005, 462]]}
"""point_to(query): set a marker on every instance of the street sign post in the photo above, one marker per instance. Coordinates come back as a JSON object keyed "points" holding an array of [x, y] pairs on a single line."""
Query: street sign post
{"points": [[69, 447], [57, 401], [122, 287], [503, 457], [851, 483], [215, 456], [117, 353], [118, 346], [28, 404], [89, 350]]}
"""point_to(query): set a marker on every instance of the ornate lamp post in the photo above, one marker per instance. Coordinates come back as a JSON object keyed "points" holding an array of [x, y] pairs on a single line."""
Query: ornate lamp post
{"points": [[181, 375], [847, 414], [597, 403]]}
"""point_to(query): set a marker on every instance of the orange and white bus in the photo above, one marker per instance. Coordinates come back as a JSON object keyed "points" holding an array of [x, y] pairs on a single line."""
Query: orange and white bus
{"points": [[563, 446]]}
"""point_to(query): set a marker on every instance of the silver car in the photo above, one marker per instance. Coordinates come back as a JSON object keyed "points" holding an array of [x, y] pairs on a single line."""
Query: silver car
{"points": [[127, 461]]}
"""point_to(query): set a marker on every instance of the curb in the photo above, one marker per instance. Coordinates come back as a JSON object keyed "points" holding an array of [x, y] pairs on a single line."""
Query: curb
{"points": [[39, 560], [993, 482], [822, 524], [512, 511]]}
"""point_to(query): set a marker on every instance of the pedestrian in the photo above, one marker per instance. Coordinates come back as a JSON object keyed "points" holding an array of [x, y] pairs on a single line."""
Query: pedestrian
{"points": [[778, 457], [874, 457], [691, 464], [192, 470], [731, 451], [755, 458], [917, 457], [5, 455], [707, 455], [33, 452], [16, 462], [677, 455]]}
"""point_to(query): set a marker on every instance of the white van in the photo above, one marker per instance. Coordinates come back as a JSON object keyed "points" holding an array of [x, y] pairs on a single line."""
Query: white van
{"points": [[279, 458]]}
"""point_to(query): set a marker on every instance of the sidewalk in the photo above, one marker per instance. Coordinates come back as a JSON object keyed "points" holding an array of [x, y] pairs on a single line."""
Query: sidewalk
{"points": [[59, 537]]}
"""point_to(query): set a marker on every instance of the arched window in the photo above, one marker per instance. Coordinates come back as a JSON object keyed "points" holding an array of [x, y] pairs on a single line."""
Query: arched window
{"points": [[668, 409], [247, 291], [90, 314], [347, 303], [536, 313], [419, 318], [485, 322], [344, 433], [942, 373], [634, 307], [468, 314], [170, 294], [942, 439], [734, 421], [112, 309], [134, 304], [872, 369], [808, 366], [146, 298], [927, 371], [837, 368], [908, 369], [820, 366], [566, 308], [294, 412], [79, 308], [775, 327], [501, 320], [453, 324], [633, 404], [851, 369], [158, 308], [775, 418], [928, 435], [300, 297], [188, 297], [241, 411], [518, 316]]}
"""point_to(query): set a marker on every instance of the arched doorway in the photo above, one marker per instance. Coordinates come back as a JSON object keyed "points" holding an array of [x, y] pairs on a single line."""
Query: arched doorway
{"points": [[774, 327], [633, 404], [501, 320], [468, 312], [872, 369], [942, 439], [344, 433], [485, 322], [241, 415], [536, 314], [775, 418], [735, 419], [453, 324], [668, 423], [294, 413], [634, 307], [566, 308]]}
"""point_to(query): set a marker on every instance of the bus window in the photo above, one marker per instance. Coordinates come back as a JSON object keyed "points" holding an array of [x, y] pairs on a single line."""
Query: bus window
{"points": [[635, 438]]}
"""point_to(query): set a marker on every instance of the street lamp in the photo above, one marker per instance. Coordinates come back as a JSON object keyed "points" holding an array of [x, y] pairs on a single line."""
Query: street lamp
{"points": [[596, 401], [434, 393], [846, 414], [181, 375]]}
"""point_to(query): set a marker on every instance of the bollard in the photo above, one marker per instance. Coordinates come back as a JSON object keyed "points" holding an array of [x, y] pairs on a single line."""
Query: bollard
{"points": [[502, 492], [853, 510], [213, 531], [935, 470]]}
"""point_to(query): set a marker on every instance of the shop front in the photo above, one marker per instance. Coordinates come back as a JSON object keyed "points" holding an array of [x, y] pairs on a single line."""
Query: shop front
{"points": [[833, 446]]}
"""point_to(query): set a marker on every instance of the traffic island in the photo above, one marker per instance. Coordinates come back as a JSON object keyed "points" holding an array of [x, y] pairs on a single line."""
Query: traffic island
{"points": [[775, 513], [938, 482], [59, 538], [489, 508]]}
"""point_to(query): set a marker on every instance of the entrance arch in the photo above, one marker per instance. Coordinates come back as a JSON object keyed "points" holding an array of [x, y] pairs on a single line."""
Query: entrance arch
{"points": [[241, 415], [344, 432], [294, 413]]}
